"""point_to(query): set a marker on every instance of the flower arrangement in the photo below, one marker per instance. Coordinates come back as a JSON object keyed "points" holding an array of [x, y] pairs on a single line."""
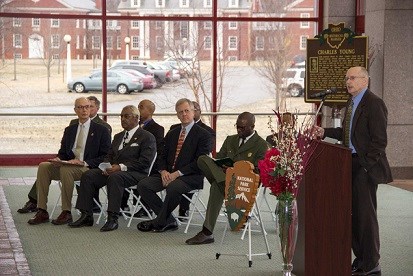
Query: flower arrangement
{"points": [[283, 166]]}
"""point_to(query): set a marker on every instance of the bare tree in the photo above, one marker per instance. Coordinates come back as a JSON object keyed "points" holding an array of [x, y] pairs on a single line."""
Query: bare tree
{"points": [[271, 49]]}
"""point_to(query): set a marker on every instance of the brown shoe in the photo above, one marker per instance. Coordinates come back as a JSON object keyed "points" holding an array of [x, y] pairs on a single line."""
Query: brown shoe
{"points": [[29, 207], [65, 217], [41, 216], [200, 238]]}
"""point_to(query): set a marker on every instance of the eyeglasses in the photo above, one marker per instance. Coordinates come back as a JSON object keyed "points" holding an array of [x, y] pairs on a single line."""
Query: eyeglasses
{"points": [[82, 107], [240, 127], [352, 78]]}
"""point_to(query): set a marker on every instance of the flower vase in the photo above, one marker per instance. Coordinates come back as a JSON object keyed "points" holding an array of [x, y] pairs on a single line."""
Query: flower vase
{"points": [[287, 228]]}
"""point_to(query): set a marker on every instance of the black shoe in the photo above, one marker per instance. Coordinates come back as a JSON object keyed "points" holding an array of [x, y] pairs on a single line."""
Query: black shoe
{"points": [[84, 220], [110, 225], [374, 271], [29, 207], [169, 227], [183, 215], [96, 209], [145, 226]]}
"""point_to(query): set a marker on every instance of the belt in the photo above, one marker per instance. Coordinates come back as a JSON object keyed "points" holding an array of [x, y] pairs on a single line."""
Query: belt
{"points": [[354, 155]]}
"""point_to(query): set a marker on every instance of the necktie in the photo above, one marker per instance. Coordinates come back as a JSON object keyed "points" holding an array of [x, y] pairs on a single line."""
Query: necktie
{"points": [[80, 141], [242, 142], [125, 138], [181, 140], [347, 129]]}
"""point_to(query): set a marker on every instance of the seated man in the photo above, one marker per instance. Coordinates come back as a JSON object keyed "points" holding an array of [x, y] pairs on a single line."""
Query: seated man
{"points": [[31, 205], [184, 204], [83, 146], [178, 172], [246, 145], [130, 157], [146, 110]]}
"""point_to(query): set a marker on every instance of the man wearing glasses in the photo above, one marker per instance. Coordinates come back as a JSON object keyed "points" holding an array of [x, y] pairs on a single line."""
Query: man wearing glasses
{"points": [[83, 146], [245, 145], [364, 131]]}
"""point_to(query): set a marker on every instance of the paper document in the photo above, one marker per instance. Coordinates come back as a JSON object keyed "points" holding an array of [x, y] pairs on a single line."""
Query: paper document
{"points": [[63, 162], [104, 166]]}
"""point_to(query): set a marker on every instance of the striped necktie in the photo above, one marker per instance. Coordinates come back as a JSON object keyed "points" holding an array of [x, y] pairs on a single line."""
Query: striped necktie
{"points": [[347, 129], [80, 141], [181, 140]]}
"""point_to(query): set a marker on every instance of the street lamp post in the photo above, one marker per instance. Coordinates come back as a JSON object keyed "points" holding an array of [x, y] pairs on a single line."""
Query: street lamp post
{"points": [[67, 38], [127, 41]]}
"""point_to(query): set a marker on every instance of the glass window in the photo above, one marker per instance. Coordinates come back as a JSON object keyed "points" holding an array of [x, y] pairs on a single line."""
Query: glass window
{"points": [[135, 42], [305, 24], [17, 22], [207, 43], [17, 41], [232, 25], [55, 41], [259, 44], [95, 42], [232, 43], [135, 3], [303, 42], [35, 22], [135, 24], [55, 23]]}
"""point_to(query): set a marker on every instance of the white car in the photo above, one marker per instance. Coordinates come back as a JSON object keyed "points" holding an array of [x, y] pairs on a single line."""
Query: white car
{"points": [[293, 81]]}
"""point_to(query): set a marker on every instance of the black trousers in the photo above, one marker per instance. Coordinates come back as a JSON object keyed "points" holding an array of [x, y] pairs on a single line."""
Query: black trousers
{"points": [[148, 188], [116, 183], [365, 227]]}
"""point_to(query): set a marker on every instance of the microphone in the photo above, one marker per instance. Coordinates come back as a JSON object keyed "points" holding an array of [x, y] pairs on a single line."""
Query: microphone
{"points": [[323, 93]]}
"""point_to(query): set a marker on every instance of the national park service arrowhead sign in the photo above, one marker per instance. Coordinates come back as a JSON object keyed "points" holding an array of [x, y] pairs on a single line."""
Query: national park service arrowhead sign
{"points": [[241, 185]]}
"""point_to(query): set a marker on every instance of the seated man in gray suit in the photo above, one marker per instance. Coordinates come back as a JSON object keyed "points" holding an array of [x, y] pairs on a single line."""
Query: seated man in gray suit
{"points": [[130, 158]]}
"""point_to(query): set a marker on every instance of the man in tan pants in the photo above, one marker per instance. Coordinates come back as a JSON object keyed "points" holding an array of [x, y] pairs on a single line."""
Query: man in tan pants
{"points": [[83, 146]]}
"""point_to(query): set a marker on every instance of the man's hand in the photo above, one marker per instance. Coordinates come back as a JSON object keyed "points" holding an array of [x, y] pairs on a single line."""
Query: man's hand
{"points": [[113, 169], [76, 162], [168, 177]]}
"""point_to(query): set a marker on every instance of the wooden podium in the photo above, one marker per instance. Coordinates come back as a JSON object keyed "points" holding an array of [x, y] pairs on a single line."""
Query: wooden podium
{"points": [[324, 214]]}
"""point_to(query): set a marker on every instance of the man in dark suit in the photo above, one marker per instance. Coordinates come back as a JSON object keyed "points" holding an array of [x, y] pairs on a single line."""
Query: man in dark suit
{"points": [[31, 205], [245, 145], [129, 161], [146, 110], [184, 204], [83, 146], [178, 171], [365, 133]]}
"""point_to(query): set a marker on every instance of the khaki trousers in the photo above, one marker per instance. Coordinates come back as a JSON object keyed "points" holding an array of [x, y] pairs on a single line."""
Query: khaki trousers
{"points": [[67, 174]]}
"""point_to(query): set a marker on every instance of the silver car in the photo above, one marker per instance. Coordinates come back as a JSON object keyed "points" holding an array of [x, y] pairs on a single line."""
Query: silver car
{"points": [[122, 82]]}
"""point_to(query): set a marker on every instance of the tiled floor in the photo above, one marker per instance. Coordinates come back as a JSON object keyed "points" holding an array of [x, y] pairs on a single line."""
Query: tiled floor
{"points": [[12, 258]]}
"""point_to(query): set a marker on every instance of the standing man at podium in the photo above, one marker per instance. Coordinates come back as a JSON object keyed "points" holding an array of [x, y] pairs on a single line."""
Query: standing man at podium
{"points": [[364, 132]]}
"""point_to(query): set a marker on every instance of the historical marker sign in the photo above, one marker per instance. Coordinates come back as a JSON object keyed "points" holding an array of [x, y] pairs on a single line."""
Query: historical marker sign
{"points": [[329, 55]]}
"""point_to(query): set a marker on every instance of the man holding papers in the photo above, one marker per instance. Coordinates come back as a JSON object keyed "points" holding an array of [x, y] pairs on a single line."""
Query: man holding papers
{"points": [[129, 158], [246, 145], [83, 146]]}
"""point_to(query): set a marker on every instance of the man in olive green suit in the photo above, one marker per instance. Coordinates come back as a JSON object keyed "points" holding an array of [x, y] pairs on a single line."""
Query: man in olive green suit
{"points": [[246, 145]]}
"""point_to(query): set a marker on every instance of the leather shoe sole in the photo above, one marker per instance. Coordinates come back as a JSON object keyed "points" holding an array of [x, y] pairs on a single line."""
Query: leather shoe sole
{"points": [[145, 226], [169, 227], [61, 222], [374, 271]]}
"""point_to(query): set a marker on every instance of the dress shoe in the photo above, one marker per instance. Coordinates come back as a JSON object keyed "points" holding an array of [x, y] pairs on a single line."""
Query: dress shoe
{"points": [[96, 209], [200, 238], [84, 220], [41, 216], [29, 207], [374, 271], [110, 225], [355, 265], [145, 226], [169, 227], [64, 218]]}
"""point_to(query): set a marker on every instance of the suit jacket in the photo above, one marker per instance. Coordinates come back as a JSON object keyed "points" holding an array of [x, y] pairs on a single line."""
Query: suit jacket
{"points": [[97, 120], [197, 143], [158, 131], [369, 137], [253, 150], [210, 130], [137, 155], [96, 147]]}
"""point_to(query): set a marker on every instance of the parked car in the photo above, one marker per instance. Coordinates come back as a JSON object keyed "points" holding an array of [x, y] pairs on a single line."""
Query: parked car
{"points": [[141, 68], [187, 65], [174, 71], [293, 81], [122, 82], [149, 81], [161, 75]]}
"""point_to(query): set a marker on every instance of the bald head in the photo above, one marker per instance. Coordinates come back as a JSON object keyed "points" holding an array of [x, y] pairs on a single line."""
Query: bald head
{"points": [[146, 109]]}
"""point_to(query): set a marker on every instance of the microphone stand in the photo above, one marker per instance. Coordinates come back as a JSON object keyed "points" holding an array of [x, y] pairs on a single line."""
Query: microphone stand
{"points": [[319, 108]]}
